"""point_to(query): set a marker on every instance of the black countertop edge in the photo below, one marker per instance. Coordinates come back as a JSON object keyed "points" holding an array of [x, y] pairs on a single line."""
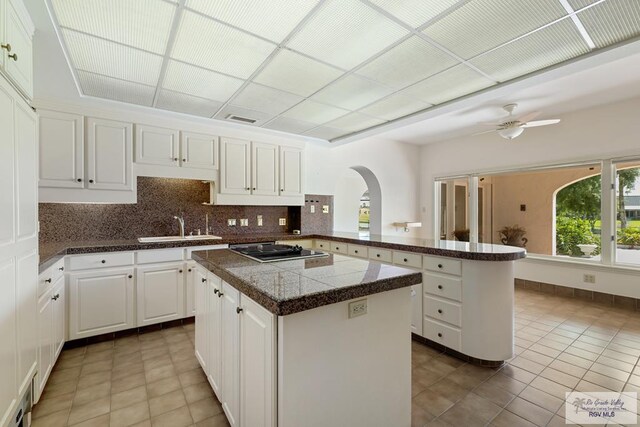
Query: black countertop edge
{"points": [[309, 302]]}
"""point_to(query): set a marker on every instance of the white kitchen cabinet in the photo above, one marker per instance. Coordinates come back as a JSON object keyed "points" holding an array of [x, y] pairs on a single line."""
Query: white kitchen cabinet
{"points": [[59, 317], [416, 309], [101, 301], [199, 151], [257, 365], [8, 332], [45, 341], [214, 337], [291, 171], [189, 292], [157, 146], [264, 169], [230, 354], [61, 150], [17, 49], [202, 326], [160, 293], [109, 155], [235, 166], [27, 306]]}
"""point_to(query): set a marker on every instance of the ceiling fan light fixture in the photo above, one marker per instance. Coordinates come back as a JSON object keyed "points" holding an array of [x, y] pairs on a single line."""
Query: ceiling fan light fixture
{"points": [[510, 133]]}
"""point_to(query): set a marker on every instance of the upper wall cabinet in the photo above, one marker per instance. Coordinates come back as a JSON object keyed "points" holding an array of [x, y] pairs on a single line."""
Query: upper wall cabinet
{"points": [[61, 150], [109, 154], [16, 31], [157, 146], [199, 151], [259, 173]]}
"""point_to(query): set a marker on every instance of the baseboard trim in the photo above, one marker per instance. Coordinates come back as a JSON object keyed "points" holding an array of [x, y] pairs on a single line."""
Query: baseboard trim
{"points": [[472, 360]]}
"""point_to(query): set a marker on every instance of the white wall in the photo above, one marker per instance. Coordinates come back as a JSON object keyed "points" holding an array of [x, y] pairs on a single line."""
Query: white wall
{"points": [[602, 132]]}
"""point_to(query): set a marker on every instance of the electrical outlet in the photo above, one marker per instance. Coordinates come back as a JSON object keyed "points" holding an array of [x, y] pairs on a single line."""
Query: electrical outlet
{"points": [[357, 308], [282, 221], [259, 220], [312, 208], [244, 222], [231, 222], [325, 208], [589, 278]]}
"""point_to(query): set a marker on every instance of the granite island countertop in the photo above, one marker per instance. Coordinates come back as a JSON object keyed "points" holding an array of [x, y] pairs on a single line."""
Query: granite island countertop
{"points": [[288, 287]]}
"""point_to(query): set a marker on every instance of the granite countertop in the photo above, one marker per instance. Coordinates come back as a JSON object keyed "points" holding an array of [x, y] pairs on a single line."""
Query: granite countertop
{"points": [[288, 287], [51, 252]]}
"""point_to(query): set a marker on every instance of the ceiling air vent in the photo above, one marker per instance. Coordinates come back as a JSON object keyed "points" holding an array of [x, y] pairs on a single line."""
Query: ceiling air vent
{"points": [[241, 119]]}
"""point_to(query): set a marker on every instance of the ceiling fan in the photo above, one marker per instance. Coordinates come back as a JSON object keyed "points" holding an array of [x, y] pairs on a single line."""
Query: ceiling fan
{"points": [[513, 126]]}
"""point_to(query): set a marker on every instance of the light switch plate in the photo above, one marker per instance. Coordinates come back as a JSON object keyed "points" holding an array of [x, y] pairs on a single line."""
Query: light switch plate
{"points": [[325, 208], [244, 222], [231, 222], [313, 208], [259, 220], [358, 308]]}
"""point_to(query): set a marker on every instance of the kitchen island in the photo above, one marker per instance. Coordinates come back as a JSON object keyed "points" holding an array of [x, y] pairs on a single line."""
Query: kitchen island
{"points": [[315, 342]]}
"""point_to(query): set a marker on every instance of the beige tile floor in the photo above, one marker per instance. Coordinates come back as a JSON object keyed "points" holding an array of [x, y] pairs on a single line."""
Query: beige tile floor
{"points": [[561, 345]]}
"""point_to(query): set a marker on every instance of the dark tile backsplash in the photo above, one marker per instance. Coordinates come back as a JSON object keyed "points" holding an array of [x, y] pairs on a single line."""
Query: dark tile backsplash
{"points": [[159, 199], [317, 222]]}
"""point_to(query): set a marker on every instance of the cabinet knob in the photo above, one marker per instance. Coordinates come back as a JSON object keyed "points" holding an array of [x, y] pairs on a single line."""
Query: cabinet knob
{"points": [[439, 311], [439, 286], [61, 269], [282, 189], [220, 294], [248, 188], [130, 276], [90, 181], [356, 251], [79, 179], [378, 255], [48, 280], [184, 160], [103, 261], [337, 248], [7, 47], [175, 159], [189, 270], [439, 334], [55, 297], [13, 56], [215, 291], [254, 188], [238, 310], [406, 260], [439, 265], [204, 280], [180, 271]]}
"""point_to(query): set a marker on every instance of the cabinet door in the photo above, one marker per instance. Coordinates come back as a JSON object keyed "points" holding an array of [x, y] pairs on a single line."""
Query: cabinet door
{"points": [[26, 174], [214, 321], [26, 311], [199, 151], [257, 365], [100, 301], [264, 169], [416, 309], [235, 168], [230, 354], [61, 150], [8, 357], [291, 171], [157, 146], [202, 327], [45, 341], [109, 155], [59, 317], [7, 150], [160, 293], [19, 62], [190, 297]]}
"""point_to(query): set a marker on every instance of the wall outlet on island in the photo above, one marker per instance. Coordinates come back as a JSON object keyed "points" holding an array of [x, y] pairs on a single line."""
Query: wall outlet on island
{"points": [[357, 308], [244, 222], [259, 220], [589, 278], [231, 222], [282, 221]]}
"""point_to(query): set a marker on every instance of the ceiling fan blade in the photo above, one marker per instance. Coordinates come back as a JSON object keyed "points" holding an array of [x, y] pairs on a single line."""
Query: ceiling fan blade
{"points": [[540, 123], [483, 132], [529, 117]]}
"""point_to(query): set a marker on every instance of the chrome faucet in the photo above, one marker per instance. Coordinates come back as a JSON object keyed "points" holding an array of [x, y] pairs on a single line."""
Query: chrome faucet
{"points": [[180, 220]]}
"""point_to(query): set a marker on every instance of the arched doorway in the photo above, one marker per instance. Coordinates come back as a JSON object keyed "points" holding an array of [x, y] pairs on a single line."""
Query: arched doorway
{"points": [[355, 182]]}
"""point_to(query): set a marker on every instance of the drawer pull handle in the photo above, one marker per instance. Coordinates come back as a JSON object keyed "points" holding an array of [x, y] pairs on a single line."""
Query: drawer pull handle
{"points": [[406, 260], [439, 334], [130, 276], [439, 286], [239, 310], [204, 280], [48, 280], [439, 265], [439, 311], [103, 261]]}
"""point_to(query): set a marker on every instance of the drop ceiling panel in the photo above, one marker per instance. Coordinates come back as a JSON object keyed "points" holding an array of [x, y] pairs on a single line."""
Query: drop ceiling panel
{"points": [[314, 112], [265, 99], [297, 74], [415, 12], [260, 117], [209, 44], [187, 104], [111, 59], [346, 32], [481, 25], [407, 63], [579, 4], [612, 21], [325, 132], [199, 82], [534, 52], [451, 84], [352, 92], [354, 122], [395, 106], [285, 124], [117, 90], [144, 24], [273, 19]]}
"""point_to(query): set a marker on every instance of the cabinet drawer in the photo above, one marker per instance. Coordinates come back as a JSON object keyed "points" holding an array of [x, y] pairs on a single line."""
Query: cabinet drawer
{"points": [[306, 243], [357, 250], [442, 334], [443, 265], [408, 259], [445, 311], [442, 286], [84, 262], [381, 255], [323, 245], [50, 276], [160, 255], [338, 247]]}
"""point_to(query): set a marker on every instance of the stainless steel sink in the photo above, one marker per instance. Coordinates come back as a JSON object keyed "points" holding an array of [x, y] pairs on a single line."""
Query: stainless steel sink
{"points": [[177, 238]]}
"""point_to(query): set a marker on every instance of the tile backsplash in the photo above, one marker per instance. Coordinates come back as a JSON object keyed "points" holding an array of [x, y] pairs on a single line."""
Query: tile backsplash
{"points": [[159, 199]]}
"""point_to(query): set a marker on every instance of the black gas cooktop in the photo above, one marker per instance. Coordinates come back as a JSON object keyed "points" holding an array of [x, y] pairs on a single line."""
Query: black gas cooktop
{"points": [[270, 252]]}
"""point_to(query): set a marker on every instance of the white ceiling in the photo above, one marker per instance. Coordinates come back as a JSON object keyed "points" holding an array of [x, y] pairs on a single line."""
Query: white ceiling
{"points": [[328, 68]]}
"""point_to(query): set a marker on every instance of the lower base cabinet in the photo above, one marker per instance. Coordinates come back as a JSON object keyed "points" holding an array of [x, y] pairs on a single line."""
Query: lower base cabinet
{"points": [[241, 349], [160, 293], [416, 309]]}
